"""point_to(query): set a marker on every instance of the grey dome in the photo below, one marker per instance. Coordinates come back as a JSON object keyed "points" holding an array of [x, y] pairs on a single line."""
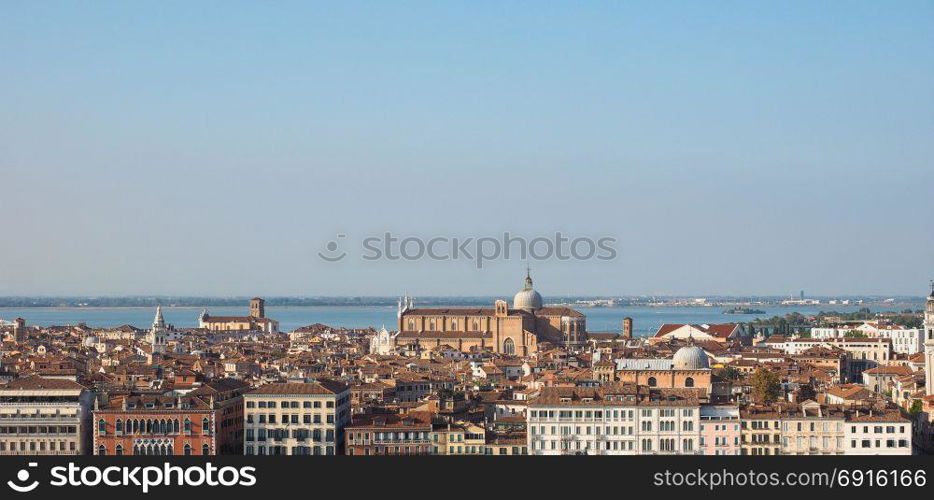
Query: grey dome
{"points": [[527, 298], [690, 358]]}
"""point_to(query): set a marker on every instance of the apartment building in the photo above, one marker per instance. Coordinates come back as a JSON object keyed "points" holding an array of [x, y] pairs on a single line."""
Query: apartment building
{"points": [[296, 418], [41, 416], [389, 434], [877, 432], [459, 438], [812, 429], [720, 431], [760, 430], [147, 424], [225, 396], [618, 419], [864, 353], [904, 340]]}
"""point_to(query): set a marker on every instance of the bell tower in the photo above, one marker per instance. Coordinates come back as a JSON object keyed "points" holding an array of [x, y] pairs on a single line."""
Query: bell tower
{"points": [[929, 343], [158, 333], [257, 307], [19, 330]]}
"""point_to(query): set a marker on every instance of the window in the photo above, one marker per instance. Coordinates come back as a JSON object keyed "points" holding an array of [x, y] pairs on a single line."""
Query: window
{"points": [[188, 449], [509, 347], [101, 450], [689, 382], [101, 426], [205, 426], [652, 382], [205, 450], [118, 450]]}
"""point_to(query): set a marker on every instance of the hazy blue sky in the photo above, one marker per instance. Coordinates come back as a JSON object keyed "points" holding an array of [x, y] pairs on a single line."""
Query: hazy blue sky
{"points": [[215, 147]]}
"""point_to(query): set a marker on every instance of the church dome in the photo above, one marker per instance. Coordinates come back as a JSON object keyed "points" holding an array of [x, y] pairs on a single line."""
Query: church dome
{"points": [[690, 358], [527, 298]]}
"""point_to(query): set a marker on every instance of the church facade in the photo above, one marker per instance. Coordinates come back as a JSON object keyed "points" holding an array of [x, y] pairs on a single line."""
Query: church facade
{"points": [[255, 322], [515, 330]]}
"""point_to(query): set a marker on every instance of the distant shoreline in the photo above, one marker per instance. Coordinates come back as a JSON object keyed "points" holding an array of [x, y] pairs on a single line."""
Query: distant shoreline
{"points": [[208, 302]]}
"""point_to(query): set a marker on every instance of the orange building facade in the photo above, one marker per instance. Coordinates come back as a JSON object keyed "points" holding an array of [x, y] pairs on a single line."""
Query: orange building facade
{"points": [[155, 425]]}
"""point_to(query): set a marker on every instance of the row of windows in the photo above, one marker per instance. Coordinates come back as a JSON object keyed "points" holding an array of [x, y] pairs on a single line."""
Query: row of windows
{"points": [[720, 441], [40, 416], [722, 427], [288, 404], [565, 430], [152, 426], [41, 429], [434, 322], [153, 450], [878, 429], [295, 450], [289, 419], [280, 434], [666, 445], [889, 443], [38, 446], [610, 414]]}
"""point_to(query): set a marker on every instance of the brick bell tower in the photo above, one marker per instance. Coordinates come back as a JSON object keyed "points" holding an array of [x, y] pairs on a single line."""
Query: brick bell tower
{"points": [[257, 307]]}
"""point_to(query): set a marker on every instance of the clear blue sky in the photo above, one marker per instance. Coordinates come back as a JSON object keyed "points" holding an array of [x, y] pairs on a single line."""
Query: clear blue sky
{"points": [[215, 147]]}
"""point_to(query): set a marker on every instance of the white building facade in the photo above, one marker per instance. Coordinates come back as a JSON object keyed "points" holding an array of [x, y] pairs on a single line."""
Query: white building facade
{"points": [[613, 420]]}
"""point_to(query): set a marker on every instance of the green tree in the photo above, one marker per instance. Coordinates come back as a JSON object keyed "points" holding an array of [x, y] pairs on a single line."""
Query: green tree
{"points": [[916, 407], [731, 373], [807, 392], [766, 386]]}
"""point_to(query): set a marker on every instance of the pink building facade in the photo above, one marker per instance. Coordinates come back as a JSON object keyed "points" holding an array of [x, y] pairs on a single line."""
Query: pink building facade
{"points": [[719, 430]]}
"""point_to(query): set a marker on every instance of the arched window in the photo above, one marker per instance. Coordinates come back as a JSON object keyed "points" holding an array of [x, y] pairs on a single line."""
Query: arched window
{"points": [[118, 450], [652, 382], [689, 382], [187, 449], [175, 425], [101, 450], [119, 425], [205, 450], [136, 449], [187, 425], [205, 426], [509, 347], [171, 451], [101, 426]]}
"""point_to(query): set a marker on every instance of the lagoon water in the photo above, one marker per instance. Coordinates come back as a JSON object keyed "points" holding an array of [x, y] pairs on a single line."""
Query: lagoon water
{"points": [[645, 319]]}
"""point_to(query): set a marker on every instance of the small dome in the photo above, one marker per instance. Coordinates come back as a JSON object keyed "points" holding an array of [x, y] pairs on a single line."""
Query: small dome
{"points": [[690, 358], [527, 298]]}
